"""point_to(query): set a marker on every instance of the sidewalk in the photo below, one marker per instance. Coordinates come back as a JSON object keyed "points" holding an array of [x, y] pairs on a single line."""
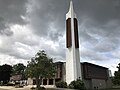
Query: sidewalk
{"points": [[13, 88]]}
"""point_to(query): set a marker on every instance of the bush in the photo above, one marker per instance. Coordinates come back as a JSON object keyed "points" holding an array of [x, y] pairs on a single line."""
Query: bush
{"points": [[61, 84], [78, 84]]}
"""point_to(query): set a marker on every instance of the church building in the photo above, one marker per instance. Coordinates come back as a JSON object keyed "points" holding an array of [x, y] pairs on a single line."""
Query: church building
{"points": [[93, 76]]}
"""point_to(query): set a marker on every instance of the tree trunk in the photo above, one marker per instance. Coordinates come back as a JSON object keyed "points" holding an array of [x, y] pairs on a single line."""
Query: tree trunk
{"points": [[37, 82], [40, 81]]}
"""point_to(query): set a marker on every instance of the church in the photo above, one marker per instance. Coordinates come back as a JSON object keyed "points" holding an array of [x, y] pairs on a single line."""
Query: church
{"points": [[93, 76]]}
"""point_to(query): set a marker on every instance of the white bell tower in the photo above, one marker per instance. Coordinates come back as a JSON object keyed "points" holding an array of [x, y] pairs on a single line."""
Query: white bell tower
{"points": [[73, 67]]}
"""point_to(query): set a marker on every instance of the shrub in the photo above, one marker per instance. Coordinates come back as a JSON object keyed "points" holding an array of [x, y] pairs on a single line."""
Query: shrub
{"points": [[61, 84], [78, 84]]}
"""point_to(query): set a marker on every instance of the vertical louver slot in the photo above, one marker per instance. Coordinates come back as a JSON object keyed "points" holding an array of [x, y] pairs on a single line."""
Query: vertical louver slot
{"points": [[76, 33], [68, 33]]}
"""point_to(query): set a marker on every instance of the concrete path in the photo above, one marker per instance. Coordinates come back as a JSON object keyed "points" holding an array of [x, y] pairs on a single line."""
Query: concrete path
{"points": [[13, 88], [26, 88]]}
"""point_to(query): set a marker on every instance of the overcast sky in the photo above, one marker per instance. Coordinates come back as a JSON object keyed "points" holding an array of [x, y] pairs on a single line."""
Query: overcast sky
{"points": [[27, 26]]}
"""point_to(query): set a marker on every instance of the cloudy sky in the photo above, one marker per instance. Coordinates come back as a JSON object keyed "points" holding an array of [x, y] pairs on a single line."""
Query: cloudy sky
{"points": [[27, 26]]}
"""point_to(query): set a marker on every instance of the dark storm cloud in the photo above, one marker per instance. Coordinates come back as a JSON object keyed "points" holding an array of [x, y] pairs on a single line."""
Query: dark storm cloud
{"points": [[100, 11], [99, 28], [4, 29], [11, 12], [47, 14], [48, 18], [98, 24]]}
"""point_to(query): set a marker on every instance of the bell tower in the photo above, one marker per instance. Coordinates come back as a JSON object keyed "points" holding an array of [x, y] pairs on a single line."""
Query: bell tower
{"points": [[73, 67]]}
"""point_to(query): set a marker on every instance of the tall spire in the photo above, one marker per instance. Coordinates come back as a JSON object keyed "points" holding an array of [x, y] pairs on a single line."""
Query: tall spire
{"points": [[73, 67], [71, 7], [71, 11]]}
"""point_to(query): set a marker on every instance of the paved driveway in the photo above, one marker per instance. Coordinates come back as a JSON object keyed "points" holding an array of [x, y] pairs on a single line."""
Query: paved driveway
{"points": [[13, 88]]}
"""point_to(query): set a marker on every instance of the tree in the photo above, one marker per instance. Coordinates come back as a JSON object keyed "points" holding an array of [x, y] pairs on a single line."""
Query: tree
{"points": [[19, 69], [116, 79], [40, 66], [5, 73]]}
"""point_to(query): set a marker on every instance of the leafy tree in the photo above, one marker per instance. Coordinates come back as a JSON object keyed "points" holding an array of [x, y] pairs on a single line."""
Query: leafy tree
{"points": [[19, 69], [40, 66], [5, 73], [116, 79]]}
